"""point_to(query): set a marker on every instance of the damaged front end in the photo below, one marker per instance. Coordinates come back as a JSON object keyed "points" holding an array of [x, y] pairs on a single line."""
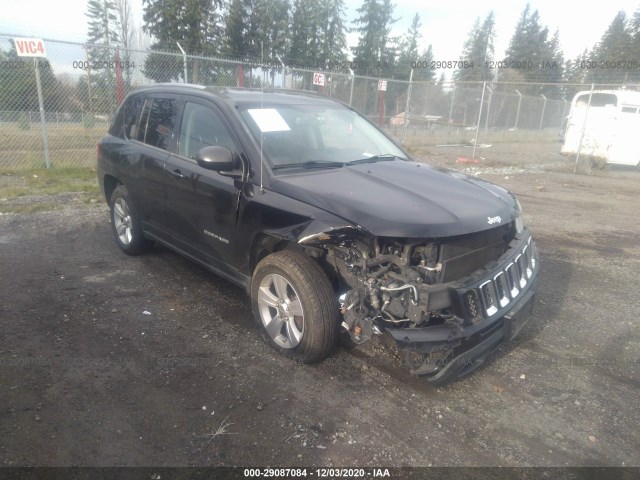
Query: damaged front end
{"points": [[448, 302]]}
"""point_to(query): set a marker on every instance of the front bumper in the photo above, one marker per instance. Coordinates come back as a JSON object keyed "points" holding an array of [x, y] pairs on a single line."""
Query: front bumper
{"points": [[489, 307]]}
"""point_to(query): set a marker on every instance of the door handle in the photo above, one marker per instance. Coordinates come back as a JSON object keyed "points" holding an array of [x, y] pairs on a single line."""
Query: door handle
{"points": [[176, 173]]}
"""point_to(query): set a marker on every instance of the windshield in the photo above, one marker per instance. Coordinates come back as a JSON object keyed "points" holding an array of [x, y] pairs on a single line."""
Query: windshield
{"points": [[316, 136]]}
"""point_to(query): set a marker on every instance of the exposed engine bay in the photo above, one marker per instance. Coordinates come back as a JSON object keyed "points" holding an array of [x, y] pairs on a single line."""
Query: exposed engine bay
{"points": [[404, 283]]}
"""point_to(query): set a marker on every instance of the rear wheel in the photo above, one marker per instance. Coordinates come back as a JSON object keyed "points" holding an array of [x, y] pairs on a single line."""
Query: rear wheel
{"points": [[294, 306], [125, 223]]}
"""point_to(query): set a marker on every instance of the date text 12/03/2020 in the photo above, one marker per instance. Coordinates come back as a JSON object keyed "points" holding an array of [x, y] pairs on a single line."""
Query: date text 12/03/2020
{"points": [[489, 64]]}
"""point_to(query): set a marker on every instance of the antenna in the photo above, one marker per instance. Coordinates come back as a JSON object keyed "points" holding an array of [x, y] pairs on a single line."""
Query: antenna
{"points": [[261, 108]]}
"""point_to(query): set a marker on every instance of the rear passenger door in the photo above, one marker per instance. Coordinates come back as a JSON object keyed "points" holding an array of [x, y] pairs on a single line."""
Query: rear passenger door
{"points": [[155, 137], [202, 204]]}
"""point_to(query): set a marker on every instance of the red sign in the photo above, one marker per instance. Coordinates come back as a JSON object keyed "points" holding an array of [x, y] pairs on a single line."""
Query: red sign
{"points": [[30, 47], [318, 79], [119, 80]]}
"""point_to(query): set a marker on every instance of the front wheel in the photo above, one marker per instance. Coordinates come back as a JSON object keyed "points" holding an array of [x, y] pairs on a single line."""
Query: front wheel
{"points": [[295, 308]]}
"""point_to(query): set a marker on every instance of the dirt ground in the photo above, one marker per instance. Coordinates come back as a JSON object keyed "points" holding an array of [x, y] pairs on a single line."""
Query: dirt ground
{"points": [[109, 360]]}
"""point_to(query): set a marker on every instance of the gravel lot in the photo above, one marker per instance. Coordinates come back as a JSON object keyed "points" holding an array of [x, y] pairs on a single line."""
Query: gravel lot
{"points": [[109, 360]]}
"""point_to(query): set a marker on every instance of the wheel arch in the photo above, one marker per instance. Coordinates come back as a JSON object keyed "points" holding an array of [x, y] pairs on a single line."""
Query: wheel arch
{"points": [[109, 183], [265, 244]]}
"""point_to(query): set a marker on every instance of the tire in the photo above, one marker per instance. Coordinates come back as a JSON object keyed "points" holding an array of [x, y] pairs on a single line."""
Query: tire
{"points": [[125, 223], [291, 285]]}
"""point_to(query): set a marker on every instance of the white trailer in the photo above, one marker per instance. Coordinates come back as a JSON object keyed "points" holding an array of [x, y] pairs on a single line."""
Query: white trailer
{"points": [[612, 127]]}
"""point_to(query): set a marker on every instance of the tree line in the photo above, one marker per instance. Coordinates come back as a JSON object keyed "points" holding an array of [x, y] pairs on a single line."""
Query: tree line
{"points": [[313, 34]]}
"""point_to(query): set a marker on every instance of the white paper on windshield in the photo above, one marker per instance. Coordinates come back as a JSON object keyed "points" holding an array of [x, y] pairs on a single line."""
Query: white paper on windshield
{"points": [[268, 120]]}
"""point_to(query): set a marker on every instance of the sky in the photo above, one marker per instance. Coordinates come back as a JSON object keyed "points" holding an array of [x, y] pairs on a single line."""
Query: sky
{"points": [[445, 24]]}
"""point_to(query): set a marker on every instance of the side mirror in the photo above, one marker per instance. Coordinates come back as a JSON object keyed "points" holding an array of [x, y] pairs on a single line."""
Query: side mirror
{"points": [[215, 158]]}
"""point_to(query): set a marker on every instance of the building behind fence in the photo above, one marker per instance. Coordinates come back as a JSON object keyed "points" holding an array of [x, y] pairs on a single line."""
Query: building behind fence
{"points": [[80, 97]]}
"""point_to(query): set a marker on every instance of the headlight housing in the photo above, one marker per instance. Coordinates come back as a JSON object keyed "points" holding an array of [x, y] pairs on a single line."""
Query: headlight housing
{"points": [[518, 221]]}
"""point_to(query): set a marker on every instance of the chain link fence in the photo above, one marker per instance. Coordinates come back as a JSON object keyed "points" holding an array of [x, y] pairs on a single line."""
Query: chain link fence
{"points": [[507, 126]]}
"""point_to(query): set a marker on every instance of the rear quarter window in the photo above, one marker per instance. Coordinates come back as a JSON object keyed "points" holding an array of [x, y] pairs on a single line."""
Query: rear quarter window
{"points": [[117, 126], [131, 116]]}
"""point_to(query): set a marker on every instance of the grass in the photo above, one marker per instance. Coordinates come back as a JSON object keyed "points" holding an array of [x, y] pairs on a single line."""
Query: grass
{"points": [[69, 145], [42, 181], [427, 139], [222, 430], [16, 184]]}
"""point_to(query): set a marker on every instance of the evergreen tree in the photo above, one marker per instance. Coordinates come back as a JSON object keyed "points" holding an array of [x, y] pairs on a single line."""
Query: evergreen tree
{"points": [[575, 75], [103, 30], [408, 52], [268, 32], [634, 47], [18, 91], [478, 51], [305, 36], [553, 67], [102, 40], [520, 42], [195, 24], [237, 29], [616, 41], [334, 38], [634, 31], [615, 45], [425, 72], [532, 56], [318, 33], [529, 46], [426, 94], [376, 50]]}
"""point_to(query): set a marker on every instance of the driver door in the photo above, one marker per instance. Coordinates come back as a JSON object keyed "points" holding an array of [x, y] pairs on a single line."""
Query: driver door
{"points": [[202, 204]]}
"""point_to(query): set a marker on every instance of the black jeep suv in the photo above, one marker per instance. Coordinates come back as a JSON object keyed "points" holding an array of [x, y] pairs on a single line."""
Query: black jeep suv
{"points": [[330, 227]]}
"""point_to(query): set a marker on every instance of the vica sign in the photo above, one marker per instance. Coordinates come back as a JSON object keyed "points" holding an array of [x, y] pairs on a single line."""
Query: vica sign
{"points": [[30, 47]]}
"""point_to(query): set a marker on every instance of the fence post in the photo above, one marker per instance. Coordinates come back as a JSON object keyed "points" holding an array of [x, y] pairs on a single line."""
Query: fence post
{"points": [[184, 62], [453, 96], [353, 77], [475, 141], [284, 72], [89, 93], [544, 106], [489, 101], [518, 110], [564, 113], [584, 126], [406, 109], [43, 122], [380, 107]]}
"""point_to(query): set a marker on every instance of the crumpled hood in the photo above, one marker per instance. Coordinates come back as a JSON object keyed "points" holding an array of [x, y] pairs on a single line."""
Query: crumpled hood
{"points": [[402, 199]]}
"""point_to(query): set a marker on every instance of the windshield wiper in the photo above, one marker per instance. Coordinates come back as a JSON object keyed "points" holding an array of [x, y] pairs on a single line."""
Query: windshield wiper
{"points": [[383, 157], [310, 164]]}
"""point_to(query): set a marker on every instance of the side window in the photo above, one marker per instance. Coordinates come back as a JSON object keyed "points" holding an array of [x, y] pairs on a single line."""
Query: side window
{"points": [[131, 115], [160, 122], [202, 127]]}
